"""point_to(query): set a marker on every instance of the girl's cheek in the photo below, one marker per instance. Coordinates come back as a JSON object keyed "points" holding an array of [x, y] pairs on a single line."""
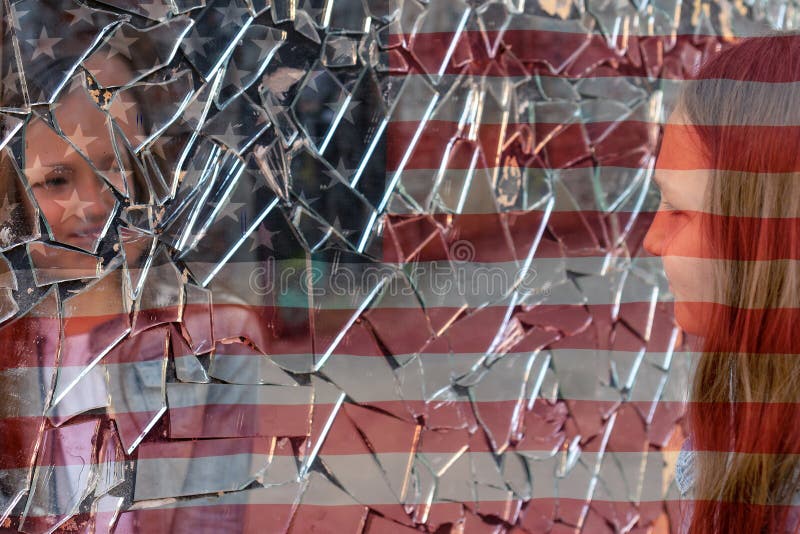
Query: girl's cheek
{"points": [[52, 213], [684, 238], [687, 319]]}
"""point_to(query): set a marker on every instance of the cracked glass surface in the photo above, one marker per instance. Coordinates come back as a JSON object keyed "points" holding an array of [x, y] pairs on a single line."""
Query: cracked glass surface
{"points": [[341, 265]]}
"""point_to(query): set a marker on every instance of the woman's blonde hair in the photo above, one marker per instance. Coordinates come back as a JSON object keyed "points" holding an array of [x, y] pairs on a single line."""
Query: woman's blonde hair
{"points": [[744, 412]]}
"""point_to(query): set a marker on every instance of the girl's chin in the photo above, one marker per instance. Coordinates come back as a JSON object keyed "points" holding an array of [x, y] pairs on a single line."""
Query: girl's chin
{"points": [[686, 317]]}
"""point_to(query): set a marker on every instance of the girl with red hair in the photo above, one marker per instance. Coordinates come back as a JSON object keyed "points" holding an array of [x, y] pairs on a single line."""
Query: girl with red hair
{"points": [[727, 231]]}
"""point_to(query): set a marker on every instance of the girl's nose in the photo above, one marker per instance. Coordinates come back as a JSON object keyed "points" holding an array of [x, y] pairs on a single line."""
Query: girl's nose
{"points": [[95, 191], [654, 240]]}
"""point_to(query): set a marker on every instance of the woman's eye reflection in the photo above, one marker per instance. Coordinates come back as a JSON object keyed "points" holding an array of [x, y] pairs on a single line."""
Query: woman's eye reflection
{"points": [[55, 182]]}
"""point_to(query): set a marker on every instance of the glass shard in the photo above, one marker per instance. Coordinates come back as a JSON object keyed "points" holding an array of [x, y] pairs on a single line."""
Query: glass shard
{"points": [[183, 468]]}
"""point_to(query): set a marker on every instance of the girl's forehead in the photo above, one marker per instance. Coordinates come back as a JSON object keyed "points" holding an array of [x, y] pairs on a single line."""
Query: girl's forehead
{"points": [[681, 147], [36, 129]]}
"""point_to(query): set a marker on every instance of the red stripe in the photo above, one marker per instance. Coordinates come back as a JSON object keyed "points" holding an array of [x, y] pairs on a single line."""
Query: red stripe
{"points": [[545, 427], [19, 440], [238, 420], [482, 237], [206, 518], [736, 152], [535, 515], [328, 519], [255, 518], [362, 429], [442, 237], [754, 240], [384, 433], [568, 54], [542, 428], [469, 331], [473, 333], [146, 346], [612, 144], [628, 143], [155, 450]]}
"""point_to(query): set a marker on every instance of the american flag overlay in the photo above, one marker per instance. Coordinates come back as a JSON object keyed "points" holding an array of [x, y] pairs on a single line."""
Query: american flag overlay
{"points": [[345, 266]]}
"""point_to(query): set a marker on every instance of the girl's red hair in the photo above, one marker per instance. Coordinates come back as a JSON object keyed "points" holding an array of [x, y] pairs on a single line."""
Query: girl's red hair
{"points": [[744, 413]]}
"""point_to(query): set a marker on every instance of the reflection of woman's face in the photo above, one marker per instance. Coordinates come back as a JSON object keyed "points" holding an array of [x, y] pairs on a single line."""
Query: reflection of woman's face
{"points": [[76, 202], [675, 235]]}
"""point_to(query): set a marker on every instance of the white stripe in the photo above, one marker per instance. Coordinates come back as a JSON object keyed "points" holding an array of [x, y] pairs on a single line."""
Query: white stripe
{"points": [[174, 477], [447, 284], [130, 387], [648, 476], [248, 369], [624, 98], [438, 190], [659, 377], [370, 379], [26, 388], [181, 395]]}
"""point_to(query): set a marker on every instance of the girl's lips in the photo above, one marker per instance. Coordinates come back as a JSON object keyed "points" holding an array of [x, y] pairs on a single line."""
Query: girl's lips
{"points": [[93, 233]]}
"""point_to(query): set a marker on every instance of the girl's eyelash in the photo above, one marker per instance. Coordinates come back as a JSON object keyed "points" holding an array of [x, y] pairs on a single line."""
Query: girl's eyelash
{"points": [[59, 175]]}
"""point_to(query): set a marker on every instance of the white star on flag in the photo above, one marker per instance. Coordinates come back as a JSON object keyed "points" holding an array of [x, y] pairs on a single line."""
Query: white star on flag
{"points": [[343, 170], [338, 175], [313, 12], [230, 137], [18, 14], [336, 227], [307, 201], [44, 44], [119, 110], [230, 209], [311, 80], [231, 15], [80, 14], [36, 164], [73, 207], [348, 114], [7, 209], [262, 238], [121, 44], [80, 139], [11, 82], [195, 43], [157, 146], [234, 74], [269, 45]]}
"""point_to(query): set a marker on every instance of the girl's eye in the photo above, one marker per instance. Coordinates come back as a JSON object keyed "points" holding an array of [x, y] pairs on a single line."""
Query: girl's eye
{"points": [[55, 180]]}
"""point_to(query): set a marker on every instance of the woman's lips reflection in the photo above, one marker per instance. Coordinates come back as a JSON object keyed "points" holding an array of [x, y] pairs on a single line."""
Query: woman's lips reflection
{"points": [[87, 235]]}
